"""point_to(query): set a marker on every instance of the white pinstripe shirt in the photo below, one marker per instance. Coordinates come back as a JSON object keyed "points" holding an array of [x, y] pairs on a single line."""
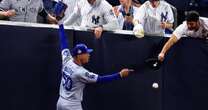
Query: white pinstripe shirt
{"points": [[26, 10], [151, 18], [94, 15]]}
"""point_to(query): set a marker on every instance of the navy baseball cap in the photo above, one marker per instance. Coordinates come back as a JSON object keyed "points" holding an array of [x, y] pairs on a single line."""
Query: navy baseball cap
{"points": [[80, 49]]}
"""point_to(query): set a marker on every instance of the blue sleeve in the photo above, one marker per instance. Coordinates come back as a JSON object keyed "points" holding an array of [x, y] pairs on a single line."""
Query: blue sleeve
{"points": [[62, 36], [108, 78]]}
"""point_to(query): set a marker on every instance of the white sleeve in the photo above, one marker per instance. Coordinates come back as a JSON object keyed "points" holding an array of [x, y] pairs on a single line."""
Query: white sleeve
{"points": [[41, 6], [170, 18], [180, 31], [109, 16], [120, 20], [205, 23], [140, 14], [66, 55], [74, 16], [87, 77], [136, 11], [5, 4]]}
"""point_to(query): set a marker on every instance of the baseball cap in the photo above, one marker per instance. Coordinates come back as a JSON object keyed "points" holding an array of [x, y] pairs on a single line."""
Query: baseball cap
{"points": [[80, 49]]}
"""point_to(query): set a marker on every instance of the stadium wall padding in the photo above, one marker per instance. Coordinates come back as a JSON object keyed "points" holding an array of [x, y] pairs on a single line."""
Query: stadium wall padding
{"points": [[30, 65]]}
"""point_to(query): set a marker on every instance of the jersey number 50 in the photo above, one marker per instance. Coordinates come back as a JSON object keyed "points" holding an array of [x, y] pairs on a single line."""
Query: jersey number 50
{"points": [[67, 82]]}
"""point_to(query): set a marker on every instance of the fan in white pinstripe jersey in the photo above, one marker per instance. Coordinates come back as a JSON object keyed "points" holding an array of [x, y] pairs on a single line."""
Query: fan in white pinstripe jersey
{"points": [[96, 14]]}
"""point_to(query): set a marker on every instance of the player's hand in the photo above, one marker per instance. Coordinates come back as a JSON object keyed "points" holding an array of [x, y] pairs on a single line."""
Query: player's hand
{"points": [[163, 25], [98, 32], [9, 13], [138, 31], [161, 57], [125, 72]]}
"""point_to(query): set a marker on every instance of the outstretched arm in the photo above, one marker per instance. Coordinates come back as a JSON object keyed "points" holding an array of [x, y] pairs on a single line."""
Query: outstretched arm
{"points": [[89, 77], [167, 46], [63, 44]]}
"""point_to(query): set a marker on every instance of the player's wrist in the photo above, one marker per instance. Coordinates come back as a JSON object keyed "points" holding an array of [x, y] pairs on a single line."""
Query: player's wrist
{"points": [[120, 74], [162, 54]]}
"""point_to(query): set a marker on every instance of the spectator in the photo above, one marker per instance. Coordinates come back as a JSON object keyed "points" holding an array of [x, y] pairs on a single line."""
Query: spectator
{"points": [[125, 14], [95, 14], [194, 26], [70, 7], [155, 16], [24, 10]]}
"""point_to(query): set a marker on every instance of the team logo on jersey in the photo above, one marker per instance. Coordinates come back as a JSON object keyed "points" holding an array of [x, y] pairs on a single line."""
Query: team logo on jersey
{"points": [[66, 52], [33, 10], [164, 17], [95, 19], [90, 76]]}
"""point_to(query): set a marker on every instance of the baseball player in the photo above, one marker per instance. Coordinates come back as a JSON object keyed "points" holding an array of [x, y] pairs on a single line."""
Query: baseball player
{"points": [[155, 16], [194, 26], [95, 14], [75, 76], [24, 10], [125, 14]]}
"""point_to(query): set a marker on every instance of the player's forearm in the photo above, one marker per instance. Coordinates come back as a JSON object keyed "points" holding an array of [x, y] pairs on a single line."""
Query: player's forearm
{"points": [[2, 13], [108, 78], [169, 44], [62, 37], [73, 18], [113, 25]]}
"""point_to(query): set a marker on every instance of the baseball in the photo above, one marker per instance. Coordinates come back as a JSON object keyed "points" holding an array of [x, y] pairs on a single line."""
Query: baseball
{"points": [[155, 85]]}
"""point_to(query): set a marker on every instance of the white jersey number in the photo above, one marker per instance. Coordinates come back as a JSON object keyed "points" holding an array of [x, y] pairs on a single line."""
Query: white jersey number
{"points": [[67, 82]]}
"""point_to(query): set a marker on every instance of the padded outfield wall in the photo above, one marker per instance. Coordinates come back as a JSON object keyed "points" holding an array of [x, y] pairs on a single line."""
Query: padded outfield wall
{"points": [[30, 65]]}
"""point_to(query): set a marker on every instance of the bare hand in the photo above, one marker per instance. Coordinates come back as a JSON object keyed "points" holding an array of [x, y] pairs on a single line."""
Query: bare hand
{"points": [[98, 32], [125, 72], [9, 13], [163, 25], [161, 57], [51, 19]]}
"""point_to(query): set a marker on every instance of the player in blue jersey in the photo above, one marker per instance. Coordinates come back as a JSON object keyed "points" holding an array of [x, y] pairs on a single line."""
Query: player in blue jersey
{"points": [[75, 76]]}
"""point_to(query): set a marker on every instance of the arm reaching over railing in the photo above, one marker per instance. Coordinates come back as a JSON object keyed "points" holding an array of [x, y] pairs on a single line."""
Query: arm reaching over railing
{"points": [[63, 44]]}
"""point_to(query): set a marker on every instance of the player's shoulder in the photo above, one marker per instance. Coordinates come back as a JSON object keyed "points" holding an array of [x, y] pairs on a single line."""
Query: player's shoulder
{"points": [[77, 68], [80, 71]]}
